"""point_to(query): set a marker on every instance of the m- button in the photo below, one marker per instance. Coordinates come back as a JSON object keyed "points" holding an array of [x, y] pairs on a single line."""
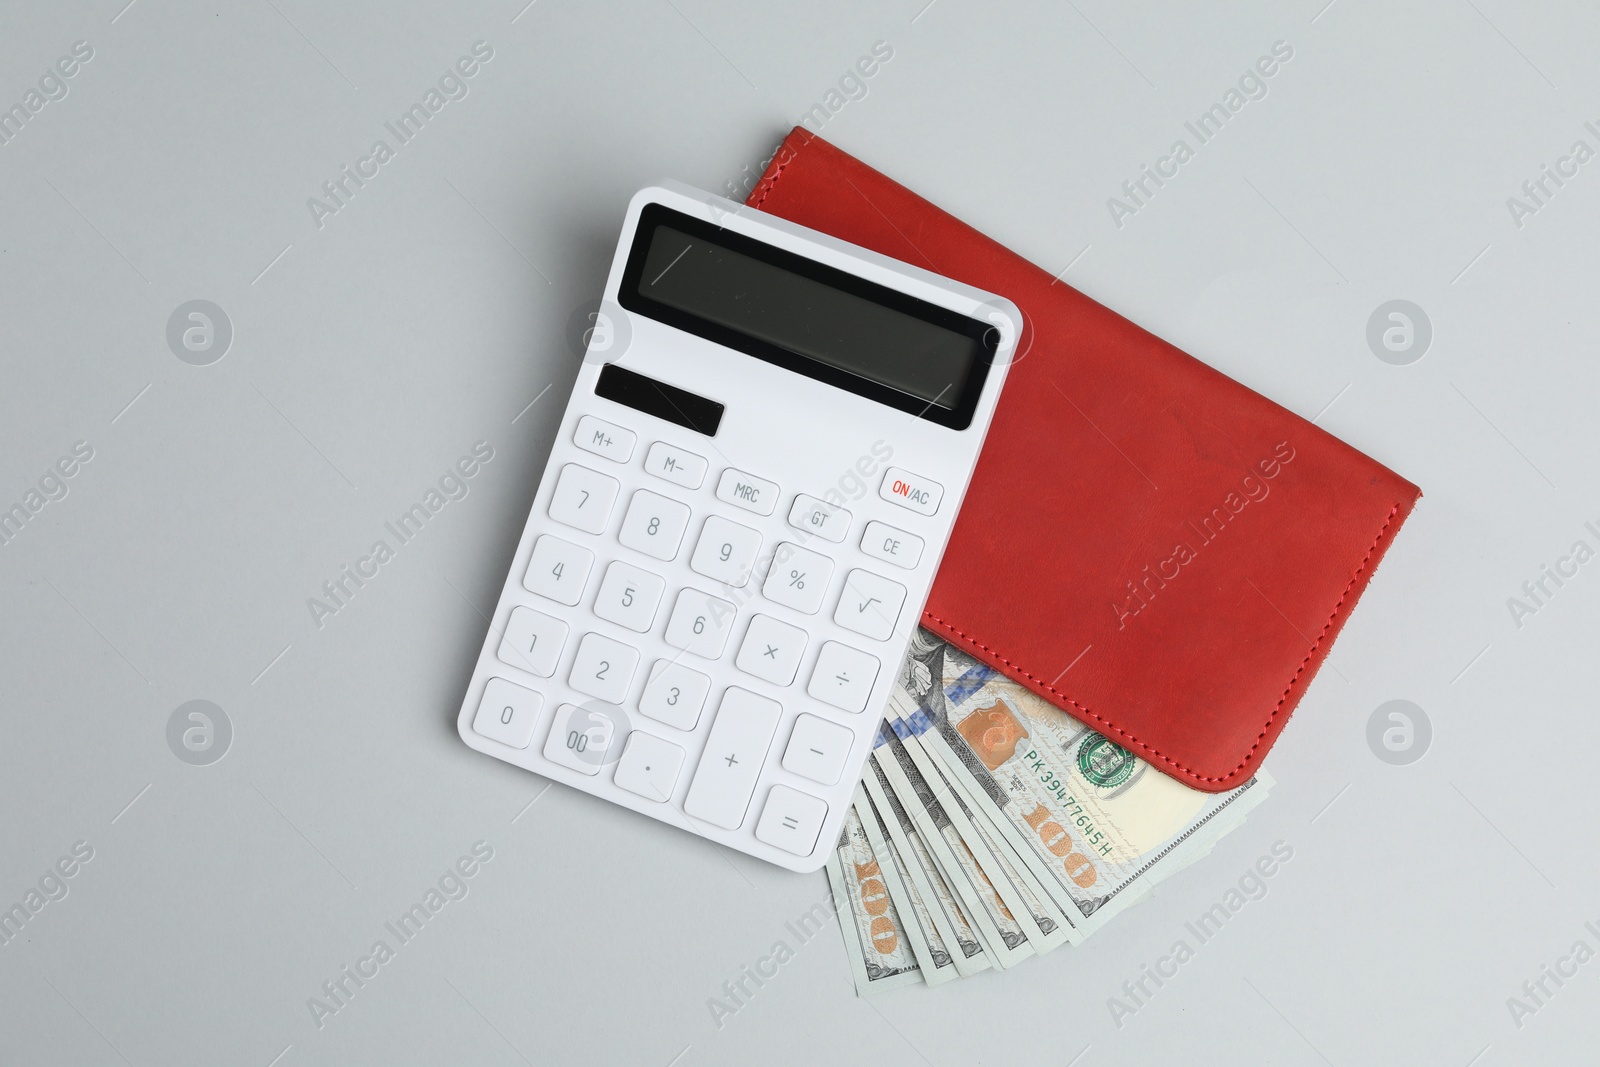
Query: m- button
{"points": [[911, 491]]}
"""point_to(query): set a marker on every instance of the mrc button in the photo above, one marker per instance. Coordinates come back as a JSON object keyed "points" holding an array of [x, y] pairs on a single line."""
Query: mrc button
{"points": [[911, 491]]}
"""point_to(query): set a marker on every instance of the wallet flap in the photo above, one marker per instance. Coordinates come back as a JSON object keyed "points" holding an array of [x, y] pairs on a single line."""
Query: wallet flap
{"points": [[1151, 546]]}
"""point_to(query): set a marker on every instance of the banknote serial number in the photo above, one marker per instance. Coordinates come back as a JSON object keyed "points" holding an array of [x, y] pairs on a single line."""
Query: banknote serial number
{"points": [[1058, 841]]}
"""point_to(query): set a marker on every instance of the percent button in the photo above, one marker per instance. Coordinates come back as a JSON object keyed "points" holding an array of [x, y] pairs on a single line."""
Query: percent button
{"points": [[798, 578]]}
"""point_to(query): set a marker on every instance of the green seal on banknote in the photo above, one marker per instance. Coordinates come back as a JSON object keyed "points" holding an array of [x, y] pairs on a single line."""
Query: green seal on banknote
{"points": [[1104, 763]]}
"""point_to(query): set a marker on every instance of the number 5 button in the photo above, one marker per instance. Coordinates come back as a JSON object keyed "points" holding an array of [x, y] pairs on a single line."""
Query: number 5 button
{"points": [[870, 605]]}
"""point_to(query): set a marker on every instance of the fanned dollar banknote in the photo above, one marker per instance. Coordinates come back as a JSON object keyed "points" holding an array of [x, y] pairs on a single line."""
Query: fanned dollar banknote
{"points": [[881, 956], [990, 827]]}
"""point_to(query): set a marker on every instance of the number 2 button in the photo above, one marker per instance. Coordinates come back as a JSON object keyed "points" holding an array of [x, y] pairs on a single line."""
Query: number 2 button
{"points": [[603, 668]]}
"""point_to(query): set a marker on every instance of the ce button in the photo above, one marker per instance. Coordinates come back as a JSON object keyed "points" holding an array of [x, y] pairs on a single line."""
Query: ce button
{"points": [[882, 541]]}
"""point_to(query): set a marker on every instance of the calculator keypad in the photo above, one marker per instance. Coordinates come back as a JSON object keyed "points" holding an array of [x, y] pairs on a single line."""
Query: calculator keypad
{"points": [[760, 613]]}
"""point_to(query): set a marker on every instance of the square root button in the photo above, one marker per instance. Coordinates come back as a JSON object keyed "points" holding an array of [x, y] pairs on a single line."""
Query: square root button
{"points": [[791, 820]]}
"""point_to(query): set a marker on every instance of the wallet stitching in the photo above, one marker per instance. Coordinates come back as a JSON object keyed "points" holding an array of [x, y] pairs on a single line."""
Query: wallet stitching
{"points": [[1150, 749], [772, 182]]}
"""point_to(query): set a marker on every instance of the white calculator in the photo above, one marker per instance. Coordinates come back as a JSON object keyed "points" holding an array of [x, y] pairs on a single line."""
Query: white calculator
{"points": [[753, 483]]}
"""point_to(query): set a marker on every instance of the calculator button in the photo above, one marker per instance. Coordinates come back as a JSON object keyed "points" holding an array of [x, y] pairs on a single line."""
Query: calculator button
{"points": [[603, 668], [791, 820], [604, 439], [586, 738], [700, 623], [843, 676], [819, 518], [507, 713], [675, 465], [726, 552], [533, 641], [870, 605], [817, 749], [654, 525], [798, 578], [771, 650], [583, 498], [747, 491], [731, 763], [674, 694], [559, 570], [911, 491], [629, 596], [884, 542], [649, 766]]}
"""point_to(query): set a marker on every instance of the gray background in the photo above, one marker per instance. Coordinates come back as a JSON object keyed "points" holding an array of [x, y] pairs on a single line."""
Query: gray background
{"points": [[369, 354]]}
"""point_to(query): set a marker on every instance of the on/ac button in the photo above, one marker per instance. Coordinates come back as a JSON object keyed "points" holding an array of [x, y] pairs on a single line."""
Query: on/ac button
{"points": [[911, 491]]}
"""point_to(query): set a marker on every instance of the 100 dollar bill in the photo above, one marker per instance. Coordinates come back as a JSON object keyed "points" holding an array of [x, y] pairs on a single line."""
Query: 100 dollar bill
{"points": [[1092, 822], [880, 955]]}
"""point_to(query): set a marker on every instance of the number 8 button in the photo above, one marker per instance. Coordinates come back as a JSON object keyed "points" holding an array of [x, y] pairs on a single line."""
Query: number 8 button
{"points": [[654, 525]]}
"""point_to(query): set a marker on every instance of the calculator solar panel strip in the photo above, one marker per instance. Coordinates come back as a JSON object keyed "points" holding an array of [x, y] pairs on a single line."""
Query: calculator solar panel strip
{"points": [[738, 525]]}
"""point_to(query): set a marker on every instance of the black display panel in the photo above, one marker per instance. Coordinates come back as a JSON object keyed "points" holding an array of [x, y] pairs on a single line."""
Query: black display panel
{"points": [[808, 317], [632, 389]]}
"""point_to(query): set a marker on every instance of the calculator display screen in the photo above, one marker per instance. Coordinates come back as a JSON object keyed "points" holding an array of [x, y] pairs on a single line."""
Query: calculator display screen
{"points": [[812, 318]]}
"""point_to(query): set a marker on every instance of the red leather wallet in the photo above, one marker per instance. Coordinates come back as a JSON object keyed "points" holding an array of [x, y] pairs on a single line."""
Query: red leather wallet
{"points": [[1149, 545]]}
